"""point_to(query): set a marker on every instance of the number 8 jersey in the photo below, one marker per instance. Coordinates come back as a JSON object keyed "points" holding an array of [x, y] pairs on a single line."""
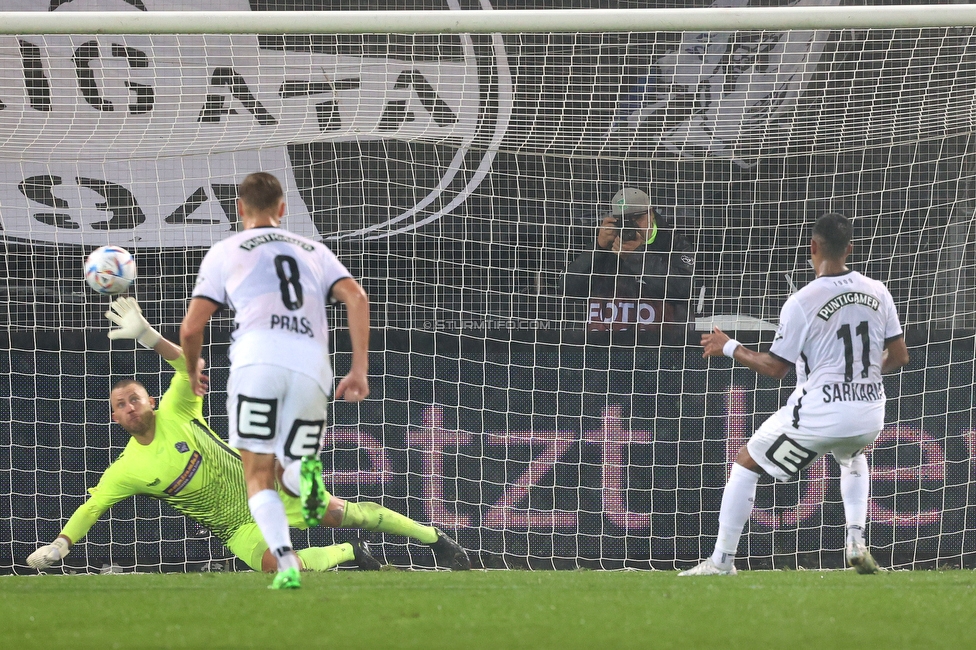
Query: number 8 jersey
{"points": [[277, 283], [835, 330]]}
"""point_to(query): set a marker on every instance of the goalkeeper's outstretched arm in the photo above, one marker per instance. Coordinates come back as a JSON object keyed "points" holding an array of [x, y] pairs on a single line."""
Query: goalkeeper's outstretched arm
{"points": [[127, 315], [113, 486]]}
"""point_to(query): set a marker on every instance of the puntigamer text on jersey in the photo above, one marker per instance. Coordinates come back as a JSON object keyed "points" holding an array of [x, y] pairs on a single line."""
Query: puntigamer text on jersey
{"points": [[269, 237], [849, 298]]}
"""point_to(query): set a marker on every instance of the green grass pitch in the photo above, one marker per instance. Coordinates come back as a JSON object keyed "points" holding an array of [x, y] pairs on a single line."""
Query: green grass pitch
{"points": [[494, 609]]}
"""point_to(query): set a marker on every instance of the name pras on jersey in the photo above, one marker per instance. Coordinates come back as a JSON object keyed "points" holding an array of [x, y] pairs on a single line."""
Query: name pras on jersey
{"points": [[292, 324], [844, 392]]}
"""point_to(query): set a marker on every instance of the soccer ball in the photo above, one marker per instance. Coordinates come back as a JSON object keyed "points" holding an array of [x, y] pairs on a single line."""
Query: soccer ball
{"points": [[110, 270]]}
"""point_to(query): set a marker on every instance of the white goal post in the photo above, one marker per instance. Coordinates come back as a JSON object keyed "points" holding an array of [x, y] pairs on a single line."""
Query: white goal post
{"points": [[458, 162], [506, 21]]}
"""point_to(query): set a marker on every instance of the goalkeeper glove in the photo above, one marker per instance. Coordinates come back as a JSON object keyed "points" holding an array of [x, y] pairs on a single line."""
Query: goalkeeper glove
{"points": [[127, 314], [45, 556]]}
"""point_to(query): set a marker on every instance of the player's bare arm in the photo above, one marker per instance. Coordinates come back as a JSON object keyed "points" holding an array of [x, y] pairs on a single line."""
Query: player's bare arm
{"points": [[895, 355], [191, 338], [354, 387], [762, 362]]}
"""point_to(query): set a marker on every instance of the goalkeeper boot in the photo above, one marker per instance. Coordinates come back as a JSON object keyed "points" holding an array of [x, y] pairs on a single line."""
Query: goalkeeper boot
{"points": [[363, 557], [449, 553], [859, 557], [312, 489], [708, 568], [287, 579]]}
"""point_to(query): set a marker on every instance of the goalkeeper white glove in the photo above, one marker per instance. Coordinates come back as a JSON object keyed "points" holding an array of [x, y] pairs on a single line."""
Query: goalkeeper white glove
{"points": [[48, 555], [127, 314]]}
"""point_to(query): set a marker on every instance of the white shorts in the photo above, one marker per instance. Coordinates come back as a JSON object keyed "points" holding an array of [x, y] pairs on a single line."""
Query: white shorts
{"points": [[274, 410], [783, 451]]}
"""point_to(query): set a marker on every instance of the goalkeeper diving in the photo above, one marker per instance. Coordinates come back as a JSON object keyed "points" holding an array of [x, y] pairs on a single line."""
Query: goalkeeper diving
{"points": [[174, 456]]}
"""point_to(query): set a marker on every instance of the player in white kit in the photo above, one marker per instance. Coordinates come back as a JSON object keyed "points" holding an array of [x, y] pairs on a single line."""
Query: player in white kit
{"points": [[841, 332], [278, 284]]}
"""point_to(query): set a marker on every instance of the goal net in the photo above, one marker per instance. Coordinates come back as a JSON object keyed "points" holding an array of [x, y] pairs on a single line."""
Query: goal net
{"points": [[459, 175]]}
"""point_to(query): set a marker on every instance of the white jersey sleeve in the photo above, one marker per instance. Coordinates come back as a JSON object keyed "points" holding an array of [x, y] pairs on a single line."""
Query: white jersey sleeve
{"points": [[791, 333], [210, 279]]}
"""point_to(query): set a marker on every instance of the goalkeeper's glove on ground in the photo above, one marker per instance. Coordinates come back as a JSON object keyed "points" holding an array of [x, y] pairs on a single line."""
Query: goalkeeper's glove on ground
{"points": [[127, 314], [48, 555]]}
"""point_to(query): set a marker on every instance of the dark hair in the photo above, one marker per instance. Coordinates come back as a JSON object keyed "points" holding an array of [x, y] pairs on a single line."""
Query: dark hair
{"points": [[833, 231], [260, 191]]}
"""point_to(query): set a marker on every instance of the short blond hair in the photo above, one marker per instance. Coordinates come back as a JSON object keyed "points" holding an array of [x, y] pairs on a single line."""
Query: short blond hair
{"points": [[122, 383]]}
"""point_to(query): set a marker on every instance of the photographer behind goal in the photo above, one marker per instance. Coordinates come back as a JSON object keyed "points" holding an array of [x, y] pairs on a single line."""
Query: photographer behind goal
{"points": [[637, 255]]}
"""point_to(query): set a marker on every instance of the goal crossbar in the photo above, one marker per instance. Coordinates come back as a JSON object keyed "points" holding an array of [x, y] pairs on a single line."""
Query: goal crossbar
{"points": [[497, 21]]}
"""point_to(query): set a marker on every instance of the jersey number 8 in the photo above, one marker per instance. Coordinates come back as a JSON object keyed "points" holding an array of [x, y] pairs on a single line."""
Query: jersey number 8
{"points": [[291, 288]]}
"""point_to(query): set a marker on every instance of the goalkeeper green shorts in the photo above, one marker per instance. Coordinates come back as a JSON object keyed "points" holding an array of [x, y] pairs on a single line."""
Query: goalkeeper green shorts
{"points": [[248, 543]]}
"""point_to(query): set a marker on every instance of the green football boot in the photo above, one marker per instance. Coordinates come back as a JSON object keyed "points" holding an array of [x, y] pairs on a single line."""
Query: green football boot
{"points": [[287, 579], [313, 492]]}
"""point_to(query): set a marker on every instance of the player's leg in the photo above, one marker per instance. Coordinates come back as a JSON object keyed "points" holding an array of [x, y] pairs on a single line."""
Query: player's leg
{"points": [[374, 517], [302, 418], [323, 558], [268, 513], [248, 543], [254, 394], [776, 449], [737, 502], [855, 485]]}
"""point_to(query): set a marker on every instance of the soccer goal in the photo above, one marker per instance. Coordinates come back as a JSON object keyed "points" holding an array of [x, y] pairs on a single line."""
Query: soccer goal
{"points": [[458, 158]]}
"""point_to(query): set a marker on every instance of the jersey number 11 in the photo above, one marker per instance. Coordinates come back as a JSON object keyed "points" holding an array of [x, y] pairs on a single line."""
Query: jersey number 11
{"points": [[844, 333]]}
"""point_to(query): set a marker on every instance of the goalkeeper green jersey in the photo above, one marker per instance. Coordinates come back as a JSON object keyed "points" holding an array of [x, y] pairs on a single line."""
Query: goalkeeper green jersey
{"points": [[186, 465]]}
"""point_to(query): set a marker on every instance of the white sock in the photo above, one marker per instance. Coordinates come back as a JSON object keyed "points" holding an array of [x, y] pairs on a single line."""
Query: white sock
{"points": [[269, 514], [855, 484], [737, 501], [291, 478]]}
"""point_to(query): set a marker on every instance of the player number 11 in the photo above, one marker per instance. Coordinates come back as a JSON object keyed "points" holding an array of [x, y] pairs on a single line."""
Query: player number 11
{"points": [[844, 333]]}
